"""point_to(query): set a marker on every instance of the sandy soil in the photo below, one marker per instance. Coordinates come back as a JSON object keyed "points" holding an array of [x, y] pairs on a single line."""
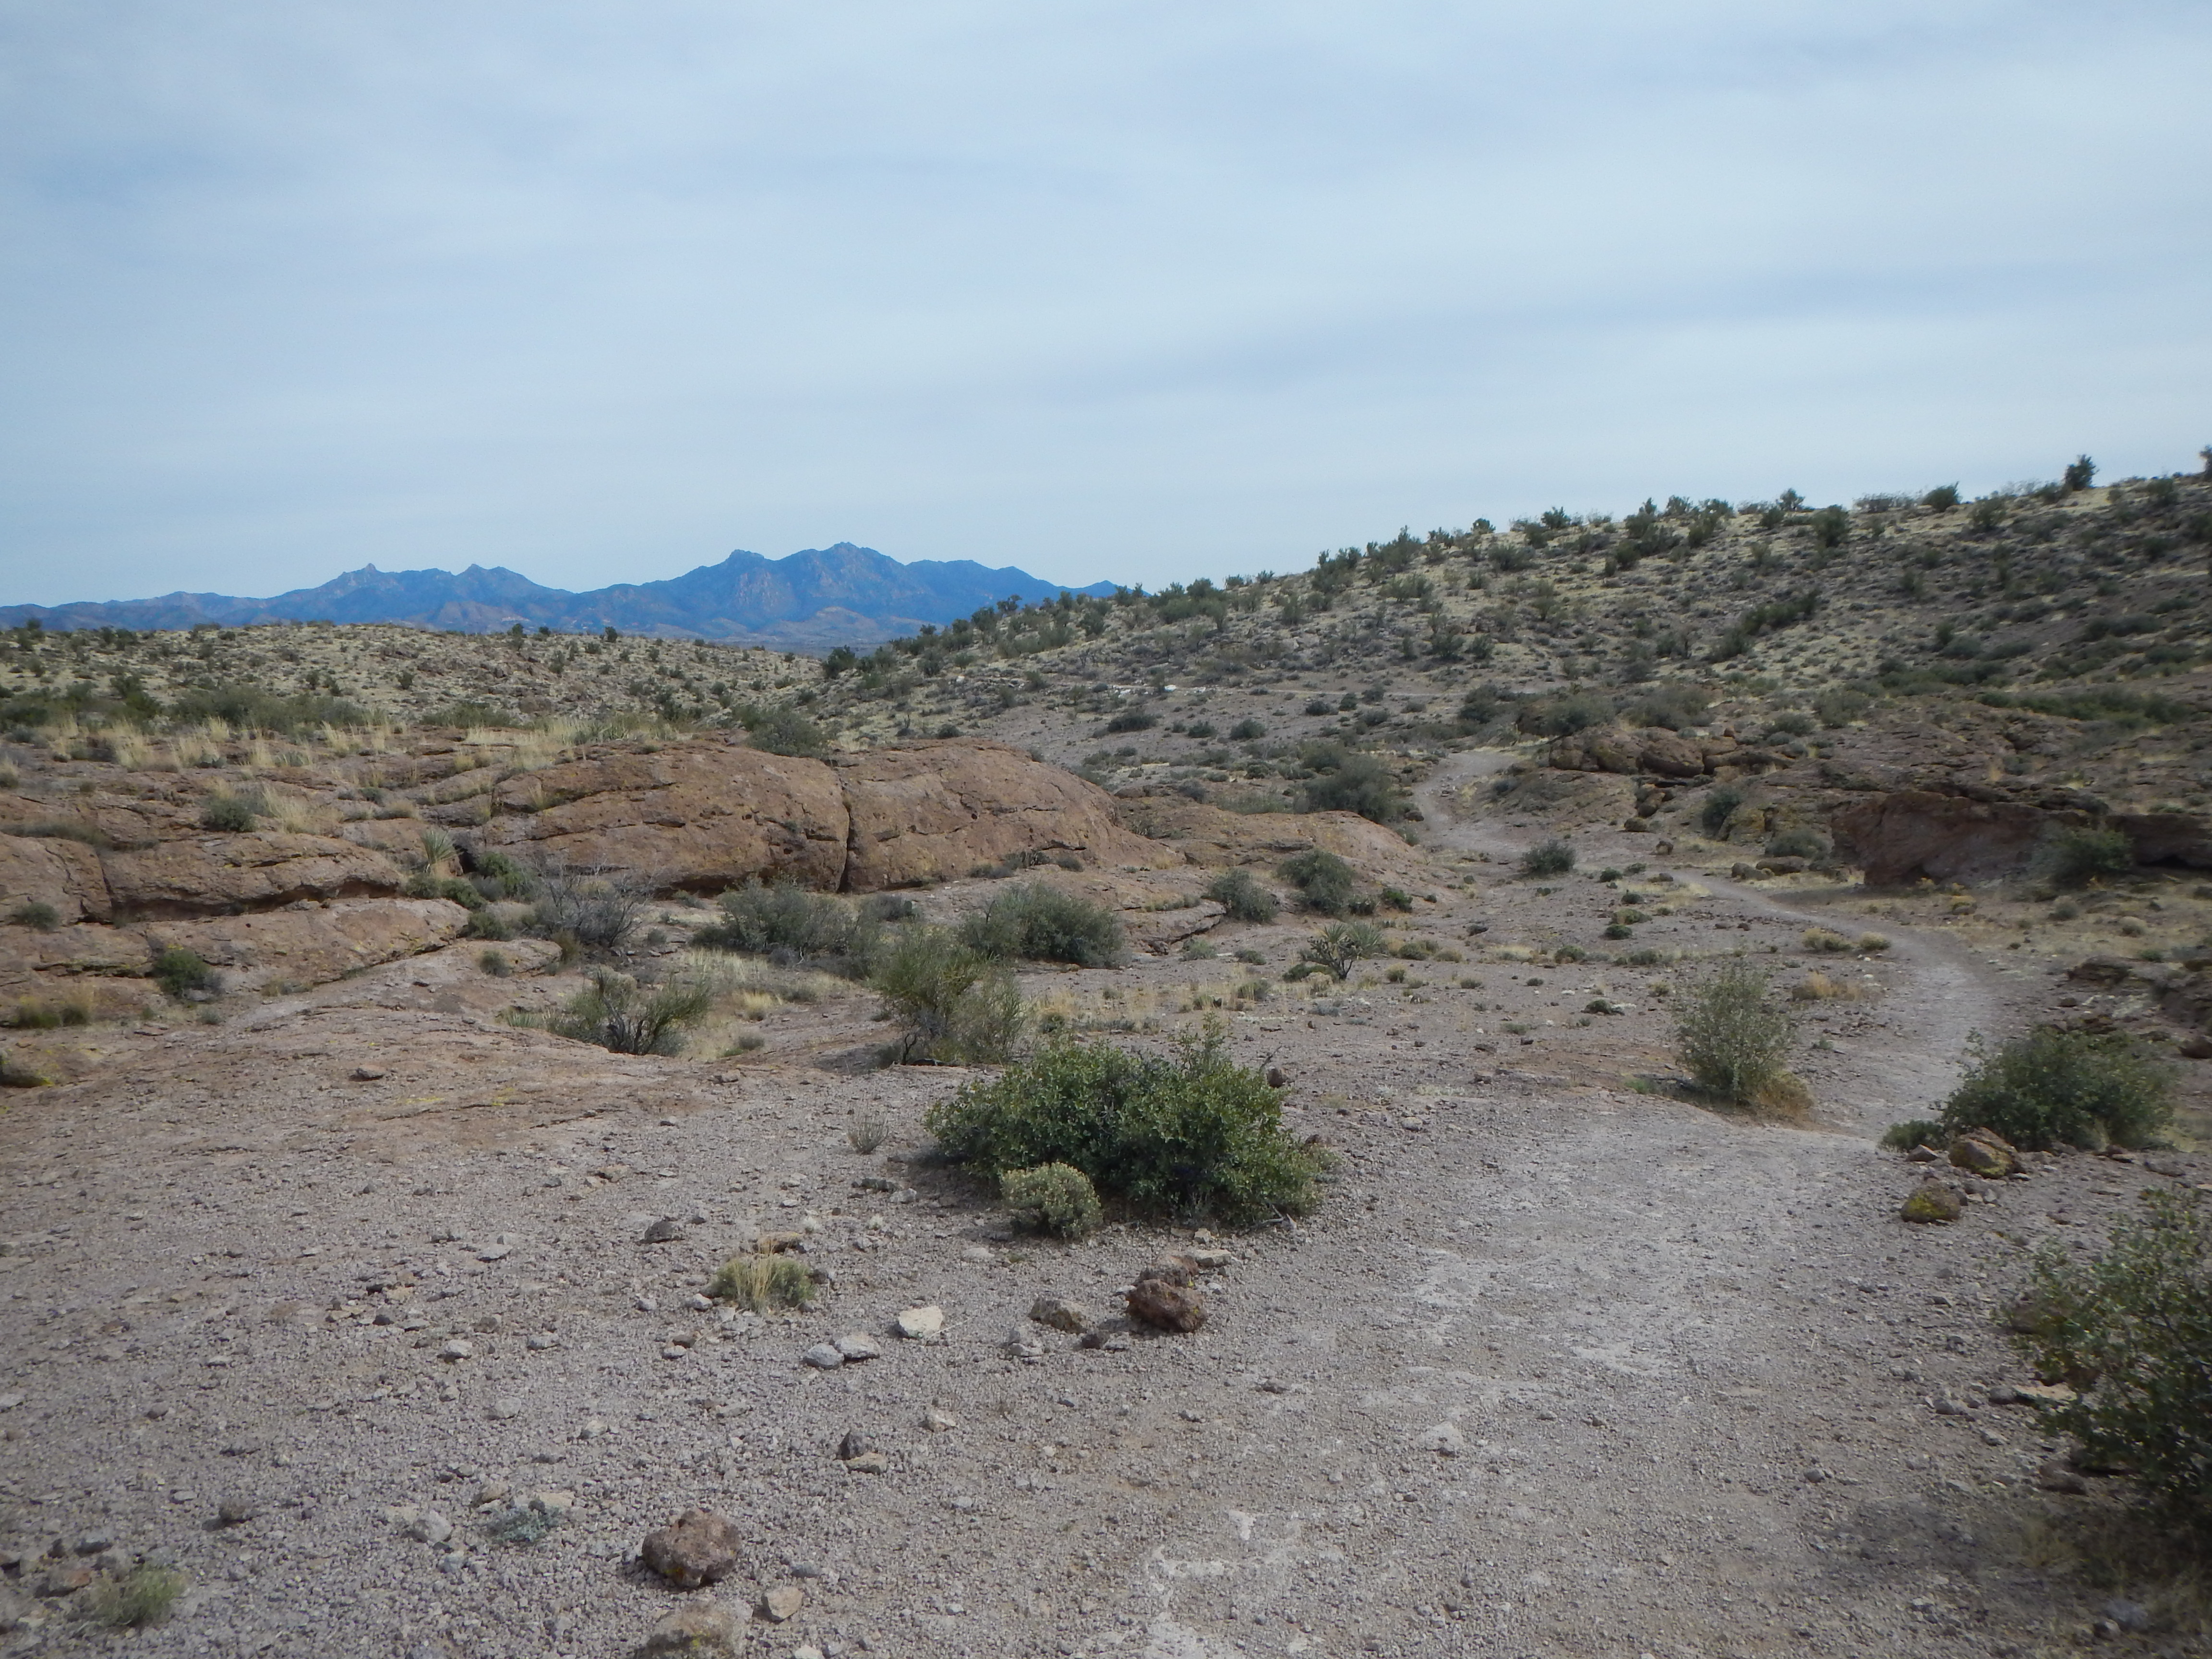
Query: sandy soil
{"points": [[1561, 1367]]}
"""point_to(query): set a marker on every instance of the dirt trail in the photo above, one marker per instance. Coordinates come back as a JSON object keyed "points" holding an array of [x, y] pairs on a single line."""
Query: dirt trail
{"points": [[1560, 1369]]}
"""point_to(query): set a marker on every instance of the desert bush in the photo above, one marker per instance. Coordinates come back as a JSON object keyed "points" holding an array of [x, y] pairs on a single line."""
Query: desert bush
{"points": [[1039, 923], [1830, 526], [1671, 706], [763, 1282], [1346, 780], [487, 923], [1554, 857], [782, 730], [428, 883], [2078, 474], [625, 1018], [2131, 1329], [1247, 731], [1133, 720], [1053, 1198], [1824, 939], [1942, 498], [594, 910], [1732, 1038], [1839, 705], [1190, 1133], [1325, 882], [2076, 854], [1239, 892], [1336, 947], [1915, 1132], [1799, 841], [181, 972], [499, 877], [1719, 806], [495, 963], [1872, 944], [1557, 717], [36, 915], [2076, 1088], [952, 1004], [867, 1135], [133, 1600], [791, 926], [229, 814]]}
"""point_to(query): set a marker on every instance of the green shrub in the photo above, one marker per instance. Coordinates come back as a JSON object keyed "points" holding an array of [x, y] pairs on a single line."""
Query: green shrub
{"points": [[179, 972], [36, 915], [1799, 841], [1942, 498], [591, 910], [625, 1018], [953, 1006], [782, 730], [495, 963], [1133, 720], [1839, 706], [1053, 1198], [1193, 1134], [1325, 882], [485, 923], [2075, 1088], [1732, 1038], [1039, 923], [498, 876], [1557, 717], [2076, 854], [1394, 899], [428, 884], [1239, 892], [1348, 781], [1337, 947], [2131, 1330], [228, 814], [1247, 731], [792, 925], [1671, 706], [1720, 803], [1915, 1132], [140, 1597], [764, 1283], [1554, 857]]}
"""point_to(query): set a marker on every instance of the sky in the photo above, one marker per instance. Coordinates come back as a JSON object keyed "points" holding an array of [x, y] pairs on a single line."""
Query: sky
{"points": [[1138, 291]]}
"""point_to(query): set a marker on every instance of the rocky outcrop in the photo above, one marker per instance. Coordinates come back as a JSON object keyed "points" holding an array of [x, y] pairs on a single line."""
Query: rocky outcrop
{"points": [[702, 817], [209, 874], [64, 874], [930, 812], [1982, 834], [1217, 839], [307, 944], [1661, 753]]}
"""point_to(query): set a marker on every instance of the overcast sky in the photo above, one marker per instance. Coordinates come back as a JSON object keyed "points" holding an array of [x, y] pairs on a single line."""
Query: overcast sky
{"points": [[1136, 291]]}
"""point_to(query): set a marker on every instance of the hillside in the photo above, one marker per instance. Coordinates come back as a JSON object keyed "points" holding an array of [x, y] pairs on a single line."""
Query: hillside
{"points": [[813, 599]]}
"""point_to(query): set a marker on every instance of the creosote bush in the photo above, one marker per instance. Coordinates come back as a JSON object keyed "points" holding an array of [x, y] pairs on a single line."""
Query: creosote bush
{"points": [[952, 1004], [1239, 892], [1053, 1198], [2077, 854], [1193, 1134], [1039, 923], [36, 915], [792, 927], [228, 814], [1915, 1132], [1347, 781], [2055, 1087], [2131, 1331], [1734, 1040], [1554, 857], [1325, 882], [625, 1018], [181, 972], [764, 1283]]}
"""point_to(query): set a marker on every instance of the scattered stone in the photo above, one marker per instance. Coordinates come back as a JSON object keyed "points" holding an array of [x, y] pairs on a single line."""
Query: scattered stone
{"points": [[920, 1324], [782, 1602], [1444, 1439], [505, 1409], [1061, 1315], [1985, 1153], [666, 1230], [1111, 1341], [697, 1627], [234, 1512], [495, 1252], [824, 1357], [592, 1429], [9, 1401], [1932, 1201], [979, 1253], [1023, 1345], [873, 1462], [1170, 1306], [492, 1492], [423, 1526], [540, 1342], [698, 1547], [2130, 1616], [458, 1348], [1924, 1155], [856, 1345], [1277, 1078], [369, 1074], [93, 1542], [937, 1422], [1209, 1260], [854, 1444]]}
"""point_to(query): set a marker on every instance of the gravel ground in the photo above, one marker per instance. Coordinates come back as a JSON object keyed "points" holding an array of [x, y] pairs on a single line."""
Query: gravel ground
{"points": [[1560, 1368]]}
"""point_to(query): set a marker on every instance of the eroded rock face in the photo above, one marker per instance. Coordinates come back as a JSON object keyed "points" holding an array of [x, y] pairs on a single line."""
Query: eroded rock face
{"points": [[702, 817], [1660, 752], [936, 811], [65, 874], [1217, 839], [1910, 833], [309, 944], [206, 874]]}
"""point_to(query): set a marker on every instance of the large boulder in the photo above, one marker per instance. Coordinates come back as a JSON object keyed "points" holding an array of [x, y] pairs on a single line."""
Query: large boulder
{"points": [[702, 816], [308, 944], [65, 874], [209, 874], [1910, 833], [931, 811]]}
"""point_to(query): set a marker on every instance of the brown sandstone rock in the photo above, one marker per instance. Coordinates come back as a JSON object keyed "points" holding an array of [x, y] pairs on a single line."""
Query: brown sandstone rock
{"points": [[1983, 1153], [314, 945], [1669, 754], [1171, 1307], [698, 1547], [1910, 832], [702, 816], [1217, 839], [207, 874], [697, 1627], [65, 874]]}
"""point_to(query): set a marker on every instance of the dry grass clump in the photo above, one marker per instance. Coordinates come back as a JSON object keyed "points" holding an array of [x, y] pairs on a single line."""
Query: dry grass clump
{"points": [[1825, 939], [764, 1283], [142, 1596], [1817, 986]]}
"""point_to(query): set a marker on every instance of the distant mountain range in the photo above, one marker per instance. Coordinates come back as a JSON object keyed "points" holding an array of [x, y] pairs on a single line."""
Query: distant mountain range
{"points": [[810, 601]]}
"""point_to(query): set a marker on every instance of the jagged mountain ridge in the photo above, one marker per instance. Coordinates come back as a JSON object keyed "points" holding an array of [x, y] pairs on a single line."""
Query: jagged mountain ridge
{"points": [[812, 600]]}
